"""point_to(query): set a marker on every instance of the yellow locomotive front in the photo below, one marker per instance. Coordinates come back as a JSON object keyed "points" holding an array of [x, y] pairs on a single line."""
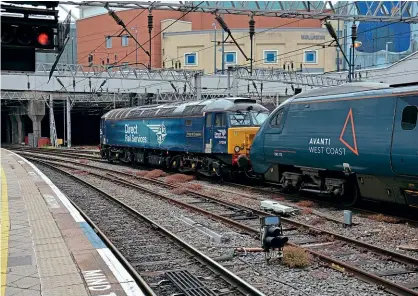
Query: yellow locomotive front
{"points": [[241, 133]]}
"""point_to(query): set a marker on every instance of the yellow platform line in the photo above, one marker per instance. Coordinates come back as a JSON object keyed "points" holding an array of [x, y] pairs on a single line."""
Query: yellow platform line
{"points": [[4, 229]]}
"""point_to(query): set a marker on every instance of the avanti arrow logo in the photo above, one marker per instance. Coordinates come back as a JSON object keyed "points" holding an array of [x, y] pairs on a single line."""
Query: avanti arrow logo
{"points": [[353, 130]]}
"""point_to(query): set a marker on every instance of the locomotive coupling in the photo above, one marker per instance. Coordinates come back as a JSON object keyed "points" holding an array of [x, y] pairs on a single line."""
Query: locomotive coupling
{"points": [[243, 161]]}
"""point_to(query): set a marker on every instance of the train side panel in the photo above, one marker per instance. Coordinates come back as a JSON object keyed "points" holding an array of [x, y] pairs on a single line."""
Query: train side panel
{"points": [[404, 153], [327, 134], [163, 134]]}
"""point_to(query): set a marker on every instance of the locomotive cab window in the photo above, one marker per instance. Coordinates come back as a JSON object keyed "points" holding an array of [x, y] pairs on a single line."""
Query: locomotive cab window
{"points": [[208, 120], [409, 117], [277, 119], [219, 119], [240, 118]]}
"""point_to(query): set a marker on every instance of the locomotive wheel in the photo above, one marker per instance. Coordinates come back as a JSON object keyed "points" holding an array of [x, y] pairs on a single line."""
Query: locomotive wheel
{"points": [[351, 193]]}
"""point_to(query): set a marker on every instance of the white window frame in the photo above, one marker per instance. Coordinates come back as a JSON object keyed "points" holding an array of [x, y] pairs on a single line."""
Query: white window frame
{"points": [[265, 59], [191, 65], [236, 57], [316, 56], [123, 37], [108, 38]]}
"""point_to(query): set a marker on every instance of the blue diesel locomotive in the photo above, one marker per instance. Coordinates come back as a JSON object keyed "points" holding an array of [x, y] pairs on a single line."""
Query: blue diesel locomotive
{"points": [[350, 141], [212, 137]]}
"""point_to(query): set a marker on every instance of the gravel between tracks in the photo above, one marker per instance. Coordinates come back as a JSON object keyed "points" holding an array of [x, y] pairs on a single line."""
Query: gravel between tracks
{"points": [[387, 235], [314, 280]]}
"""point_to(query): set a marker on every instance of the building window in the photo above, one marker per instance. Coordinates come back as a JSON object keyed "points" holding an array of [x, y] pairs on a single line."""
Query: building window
{"points": [[190, 59], [231, 57], [91, 60], [409, 117], [310, 56], [108, 41], [270, 56], [125, 40]]}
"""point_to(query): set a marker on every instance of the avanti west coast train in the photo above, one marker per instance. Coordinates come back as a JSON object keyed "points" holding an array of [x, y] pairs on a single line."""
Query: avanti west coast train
{"points": [[212, 137], [350, 141]]}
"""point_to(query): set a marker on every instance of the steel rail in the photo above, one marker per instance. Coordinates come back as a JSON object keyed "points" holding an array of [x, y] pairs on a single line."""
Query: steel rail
{"points": [[228, 276], [395, 256], [141, 282], [334, 263], [325, 203]]}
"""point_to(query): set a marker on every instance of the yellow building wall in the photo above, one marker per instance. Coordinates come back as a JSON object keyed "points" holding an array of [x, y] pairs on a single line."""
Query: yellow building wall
{"points": [[288, 42]]}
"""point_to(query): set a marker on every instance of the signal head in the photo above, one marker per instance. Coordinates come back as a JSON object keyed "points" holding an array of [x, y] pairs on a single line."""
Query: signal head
{"points": [[44, 37]]}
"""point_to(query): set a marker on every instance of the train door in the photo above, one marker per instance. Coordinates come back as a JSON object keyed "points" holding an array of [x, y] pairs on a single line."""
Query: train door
{"points": [[404, 152], [272, 137], [216, 133], [208, 133]]}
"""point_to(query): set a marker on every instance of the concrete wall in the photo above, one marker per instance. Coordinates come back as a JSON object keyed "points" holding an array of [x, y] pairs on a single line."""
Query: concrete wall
{"points": [[289, 43]]}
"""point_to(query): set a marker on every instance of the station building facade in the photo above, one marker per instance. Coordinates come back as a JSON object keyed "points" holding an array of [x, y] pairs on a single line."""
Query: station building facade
{"points": [[189, 42], [300, 48]]}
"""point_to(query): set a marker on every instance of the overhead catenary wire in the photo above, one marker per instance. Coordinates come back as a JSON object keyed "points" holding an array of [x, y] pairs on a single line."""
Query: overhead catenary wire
{"points": [[149, 40], [298, 54], [245, 36]]}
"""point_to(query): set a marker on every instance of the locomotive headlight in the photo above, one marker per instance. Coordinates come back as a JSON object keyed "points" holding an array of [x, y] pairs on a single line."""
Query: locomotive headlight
{"points": [[237, 149]]}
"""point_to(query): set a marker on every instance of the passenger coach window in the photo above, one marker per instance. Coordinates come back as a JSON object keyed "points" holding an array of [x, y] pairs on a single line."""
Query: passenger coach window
{"points": [[409, 117], [277, 119], [219, 119], [188, 122]]}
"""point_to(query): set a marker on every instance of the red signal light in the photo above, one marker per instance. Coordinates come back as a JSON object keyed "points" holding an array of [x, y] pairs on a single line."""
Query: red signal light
{"points": [[43, 39]]}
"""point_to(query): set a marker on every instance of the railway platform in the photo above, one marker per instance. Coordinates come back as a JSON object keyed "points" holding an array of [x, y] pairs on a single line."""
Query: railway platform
{"points": [[47, 248]]}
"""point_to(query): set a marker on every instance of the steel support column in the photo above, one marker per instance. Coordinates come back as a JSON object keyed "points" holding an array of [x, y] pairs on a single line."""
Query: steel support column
{"points": [[198, 86], [14, 134], [68, 122], [51, 121]]}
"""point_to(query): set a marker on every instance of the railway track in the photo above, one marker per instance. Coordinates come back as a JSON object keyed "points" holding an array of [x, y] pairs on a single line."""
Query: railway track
{"points": [[341, 253], [57, 152], [364, 210], [273, 191], [164, 262]]}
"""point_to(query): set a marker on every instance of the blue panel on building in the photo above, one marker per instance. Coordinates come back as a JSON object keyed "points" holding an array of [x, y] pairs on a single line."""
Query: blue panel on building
{"points": [[374, 36]]}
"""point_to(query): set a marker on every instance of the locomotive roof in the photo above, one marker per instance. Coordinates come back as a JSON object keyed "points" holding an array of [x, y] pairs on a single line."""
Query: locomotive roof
{"points": [[185, 109]]}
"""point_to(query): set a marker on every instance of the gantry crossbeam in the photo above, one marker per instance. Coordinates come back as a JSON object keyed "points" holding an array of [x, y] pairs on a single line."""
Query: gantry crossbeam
{"points": [[95, 71], [288, 77], [373, 11]]}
